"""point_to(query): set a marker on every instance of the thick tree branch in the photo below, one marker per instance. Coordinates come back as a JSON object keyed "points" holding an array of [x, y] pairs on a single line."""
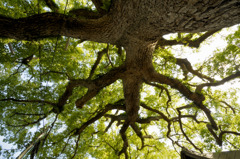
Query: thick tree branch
{"points": [[218, 140], [94, 86], [176, 84], [139, 133], [125, 140], [217, 83], [187, 67], [228, 132], [186, 41], [53, 25], [195, 97]]}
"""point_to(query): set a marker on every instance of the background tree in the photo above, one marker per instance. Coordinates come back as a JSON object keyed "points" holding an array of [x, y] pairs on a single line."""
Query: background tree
{"points": [[95, 76]]}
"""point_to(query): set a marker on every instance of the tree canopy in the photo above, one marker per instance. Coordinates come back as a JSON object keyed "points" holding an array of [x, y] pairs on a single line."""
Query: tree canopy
{"points": [[98, 79]]}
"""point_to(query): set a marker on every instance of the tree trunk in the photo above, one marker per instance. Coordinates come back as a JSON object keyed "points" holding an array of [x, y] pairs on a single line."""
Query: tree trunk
{"points": [[138, 65]]}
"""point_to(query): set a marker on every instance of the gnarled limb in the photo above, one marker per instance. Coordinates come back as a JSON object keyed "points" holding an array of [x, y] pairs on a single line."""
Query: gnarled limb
{"points": [[228, 105], [219, 138], [184, 134], [139, 133], [53, 25], [94, 86], [187, 67], [217, 83], [125, 140], [156, 111], [195, 97], [117, 105], [186, 41]]}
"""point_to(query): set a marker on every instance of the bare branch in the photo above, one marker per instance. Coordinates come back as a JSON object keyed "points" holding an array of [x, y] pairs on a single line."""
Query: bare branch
{"points": [[156, 111], [186, 106], [109, 56], [100, 54], [139, 133], [167, 92], [187, 41], [218, 140], [111, 146], [124, 138], [66, 143], [94, 86], [196, 97], [51, 127], [232, 145], [227, 132], [76, 147], [187, 67], [117, 105], [148, 119], [185, 135], [121, 117], [217, 83], [162, 88], [228, 105], [109, 125]]}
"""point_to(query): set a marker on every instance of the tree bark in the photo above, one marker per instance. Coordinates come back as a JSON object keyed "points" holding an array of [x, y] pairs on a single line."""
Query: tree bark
{"points": [[145, 20]]}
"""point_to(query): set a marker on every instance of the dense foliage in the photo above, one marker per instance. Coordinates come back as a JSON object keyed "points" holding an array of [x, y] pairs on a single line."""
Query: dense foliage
{"points": [[63, 87]]}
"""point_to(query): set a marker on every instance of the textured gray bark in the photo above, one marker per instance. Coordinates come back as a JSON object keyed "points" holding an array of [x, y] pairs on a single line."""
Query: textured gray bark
{"points": [[143, 20]]}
